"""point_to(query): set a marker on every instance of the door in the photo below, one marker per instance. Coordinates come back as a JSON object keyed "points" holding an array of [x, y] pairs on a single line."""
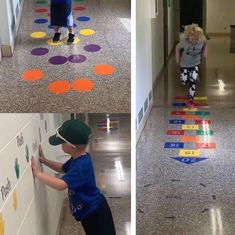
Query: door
{"points": [[191, 11]]}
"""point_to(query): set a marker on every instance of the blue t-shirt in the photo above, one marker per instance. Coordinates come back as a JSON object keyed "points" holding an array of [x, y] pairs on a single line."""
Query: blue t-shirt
{"points": [[84, 196]]}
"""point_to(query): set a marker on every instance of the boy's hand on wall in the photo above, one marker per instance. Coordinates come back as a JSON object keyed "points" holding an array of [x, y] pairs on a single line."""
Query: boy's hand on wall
{"points": [[35, 170], [42, 158]]}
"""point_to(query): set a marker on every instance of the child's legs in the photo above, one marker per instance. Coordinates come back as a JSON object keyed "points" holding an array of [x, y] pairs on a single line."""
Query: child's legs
{"points": [[56, 28], [100, 222], [70, 23], [193, 81], [184, 76]]}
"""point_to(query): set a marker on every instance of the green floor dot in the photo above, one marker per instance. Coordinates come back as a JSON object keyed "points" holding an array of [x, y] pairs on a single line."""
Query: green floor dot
{"points": [[41, 2]]}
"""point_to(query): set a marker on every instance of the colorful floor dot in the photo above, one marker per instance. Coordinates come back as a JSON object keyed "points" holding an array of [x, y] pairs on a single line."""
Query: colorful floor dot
{"points": [[40, 10], [78, 0], [92, 48], [83, 18], [38, 34], [59, 87], [50, 42], [32, 75], [57, 60], [79, 8], [39, 51], [50, 26], [82, 85], [87, 32], [74, 26], [76, 58], [76, 40], [41, 21], [104, 69]]}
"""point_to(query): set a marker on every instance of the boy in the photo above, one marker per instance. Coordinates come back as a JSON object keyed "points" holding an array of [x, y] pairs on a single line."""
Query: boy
{"points": [[86, 202], [189, 52], [61, 15]]}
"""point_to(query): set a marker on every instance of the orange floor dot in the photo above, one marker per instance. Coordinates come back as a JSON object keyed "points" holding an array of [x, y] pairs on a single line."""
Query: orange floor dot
{"points": [[104, 69], [59, 87], [82, 85], [32, 75]]}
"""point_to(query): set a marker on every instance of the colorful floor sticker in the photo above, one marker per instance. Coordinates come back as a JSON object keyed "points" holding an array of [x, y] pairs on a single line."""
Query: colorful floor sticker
{"points": [[195, 131], [62, 86], [14, 200], [2, 224]]}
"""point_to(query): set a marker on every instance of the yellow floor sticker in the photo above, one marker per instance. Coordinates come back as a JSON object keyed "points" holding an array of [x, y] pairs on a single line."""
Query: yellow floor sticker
{"points": [[190, 127], [50, 42], [190, 109], [38, 34], [87, 32], [189, 152], [200, 98], [76, 40]]}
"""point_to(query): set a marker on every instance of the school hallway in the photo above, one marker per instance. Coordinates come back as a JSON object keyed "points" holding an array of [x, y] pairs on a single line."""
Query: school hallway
{"points": [[185, 157], [110, 151], [92, 75]]}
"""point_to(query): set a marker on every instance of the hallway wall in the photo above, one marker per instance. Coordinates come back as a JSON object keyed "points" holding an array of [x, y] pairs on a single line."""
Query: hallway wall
{"points": [[26, 206], [220, 15]]}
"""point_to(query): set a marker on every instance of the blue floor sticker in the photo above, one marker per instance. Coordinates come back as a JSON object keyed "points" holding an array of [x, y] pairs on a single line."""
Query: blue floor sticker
{"points": [[176, 121], [179, 104], [189, 160], [174, 145]]}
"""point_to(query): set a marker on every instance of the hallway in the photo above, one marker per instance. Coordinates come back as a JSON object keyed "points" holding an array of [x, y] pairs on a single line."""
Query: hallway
{"points": [[110, 150], [92, 75], [185, 158]]}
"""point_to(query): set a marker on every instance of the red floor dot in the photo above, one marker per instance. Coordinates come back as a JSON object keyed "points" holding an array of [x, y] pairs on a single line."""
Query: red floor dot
{"points": [[104, 69], [40, 10], [79, 8], [82, 85], [59, 87], [32, 75]]}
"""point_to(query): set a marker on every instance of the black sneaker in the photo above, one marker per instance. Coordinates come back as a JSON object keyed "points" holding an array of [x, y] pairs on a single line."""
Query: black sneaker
{"points": [[56, 37], [70, 38]]}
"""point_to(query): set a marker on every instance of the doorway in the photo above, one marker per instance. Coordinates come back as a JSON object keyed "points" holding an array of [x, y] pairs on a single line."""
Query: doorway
{"points": [[192, 11]]}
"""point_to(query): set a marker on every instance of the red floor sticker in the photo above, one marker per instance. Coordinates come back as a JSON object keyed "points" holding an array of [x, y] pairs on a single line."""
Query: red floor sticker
{"points": [[201, 122], [206, 145], [178, 113], [175, 132]]}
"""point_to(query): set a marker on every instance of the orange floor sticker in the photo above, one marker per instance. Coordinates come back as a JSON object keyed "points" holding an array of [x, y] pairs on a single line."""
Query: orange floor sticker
{"points": [[14, 203], [59, 87], [2, 225], [193, 139], [82, 85], [32, 75], [189, 117], [104, 69]]}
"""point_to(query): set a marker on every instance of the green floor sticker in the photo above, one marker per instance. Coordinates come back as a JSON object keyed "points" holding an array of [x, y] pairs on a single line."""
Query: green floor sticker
{"points": [[201, 132], [202, 113]]}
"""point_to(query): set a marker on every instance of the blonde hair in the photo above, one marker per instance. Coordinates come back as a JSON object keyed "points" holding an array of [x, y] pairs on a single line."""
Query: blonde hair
{"points": [[193, 30]]}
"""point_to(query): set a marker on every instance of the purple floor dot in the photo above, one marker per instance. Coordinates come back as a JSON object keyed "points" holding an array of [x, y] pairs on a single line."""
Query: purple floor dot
{"points": [[92, 48], [76, 58], [39, 51], [41, 21], [83, 18], [56, 60]]}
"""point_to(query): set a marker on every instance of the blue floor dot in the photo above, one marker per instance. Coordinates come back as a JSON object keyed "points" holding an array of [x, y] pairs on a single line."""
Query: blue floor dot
{"points": [[74, 26], [83, 18], [50, 26], [41, 21]]}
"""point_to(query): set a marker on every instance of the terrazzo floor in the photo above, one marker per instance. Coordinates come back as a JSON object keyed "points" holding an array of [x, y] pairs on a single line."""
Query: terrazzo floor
{"points": [[92, 75], [188, 190], [111, 156]]}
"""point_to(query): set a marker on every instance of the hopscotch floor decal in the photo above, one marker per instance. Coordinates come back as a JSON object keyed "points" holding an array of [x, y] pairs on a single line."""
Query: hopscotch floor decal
{"points": [[191, 130]]}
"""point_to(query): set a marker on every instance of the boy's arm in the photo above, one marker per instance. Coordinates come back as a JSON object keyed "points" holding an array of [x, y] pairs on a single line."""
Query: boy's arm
{"points": [[47, 179], [177, 54], [56, 166], [205, 50]]}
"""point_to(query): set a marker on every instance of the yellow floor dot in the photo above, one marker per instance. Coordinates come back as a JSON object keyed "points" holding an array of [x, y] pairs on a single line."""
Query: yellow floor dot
{"points": [[38, 34], [76, 40], [50, 42], [87, 32]]}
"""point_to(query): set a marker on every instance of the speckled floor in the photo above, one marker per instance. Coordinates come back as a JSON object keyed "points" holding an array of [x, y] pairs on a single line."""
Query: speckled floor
{"points": [[173, 196], [108, 150], [111, 93]]}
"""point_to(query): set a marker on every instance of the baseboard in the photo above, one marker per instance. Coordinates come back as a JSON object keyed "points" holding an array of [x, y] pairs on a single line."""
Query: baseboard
{"points": [[143, 122], [7, 50]]}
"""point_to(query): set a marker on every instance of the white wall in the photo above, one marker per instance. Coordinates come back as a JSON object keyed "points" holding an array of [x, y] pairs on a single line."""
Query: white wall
{"points": [[220, 15], [143, 54], [26, 206], [10, 11]]}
